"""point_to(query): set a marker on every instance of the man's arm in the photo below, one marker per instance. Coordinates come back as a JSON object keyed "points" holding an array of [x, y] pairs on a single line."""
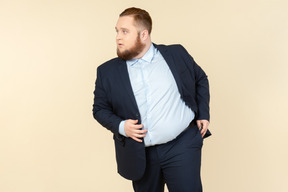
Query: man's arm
{"points": [[202, 95], [102, 109], [103, 113], [202, 98]]}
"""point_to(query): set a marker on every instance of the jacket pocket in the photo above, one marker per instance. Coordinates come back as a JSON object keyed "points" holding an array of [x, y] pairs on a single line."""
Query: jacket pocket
{"points": [[119, 139]]}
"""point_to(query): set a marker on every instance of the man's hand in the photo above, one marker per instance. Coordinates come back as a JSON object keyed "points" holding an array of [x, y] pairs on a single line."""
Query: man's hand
{"points": [[133, 130], [203, 126]]}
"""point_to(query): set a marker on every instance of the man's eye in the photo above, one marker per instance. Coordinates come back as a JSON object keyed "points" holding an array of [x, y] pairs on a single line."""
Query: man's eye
{"points": [[125, 32]]}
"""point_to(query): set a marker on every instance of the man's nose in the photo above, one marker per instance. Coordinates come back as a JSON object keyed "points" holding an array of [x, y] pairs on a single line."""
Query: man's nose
{"points": [[118, 36]]}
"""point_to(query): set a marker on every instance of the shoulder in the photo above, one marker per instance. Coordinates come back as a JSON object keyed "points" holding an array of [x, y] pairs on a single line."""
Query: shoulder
{"points": [[110, 65], [172, 49], [175, 50], [169, 47]]}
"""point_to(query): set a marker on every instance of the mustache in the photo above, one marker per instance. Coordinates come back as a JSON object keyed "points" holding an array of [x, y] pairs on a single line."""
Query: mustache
{"points": [[133, 52]]}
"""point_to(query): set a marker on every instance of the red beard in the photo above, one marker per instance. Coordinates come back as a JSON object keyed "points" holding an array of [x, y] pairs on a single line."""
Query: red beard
{"points": [[133, 52]]}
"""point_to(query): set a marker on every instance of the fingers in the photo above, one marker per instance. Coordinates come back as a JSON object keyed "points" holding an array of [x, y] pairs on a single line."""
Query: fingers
{"points": [[204, 130], [140, 134], [199, 124], [134, 130], [203, 126], [133, 121], [136, 139]]}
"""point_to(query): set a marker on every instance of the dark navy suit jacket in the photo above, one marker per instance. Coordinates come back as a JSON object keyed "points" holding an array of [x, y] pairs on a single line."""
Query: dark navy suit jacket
{"points": [[114, 101]]}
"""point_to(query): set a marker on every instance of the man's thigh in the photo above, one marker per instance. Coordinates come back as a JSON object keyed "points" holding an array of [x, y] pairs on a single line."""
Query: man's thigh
{"points": [[153, 180], [181, 168]]}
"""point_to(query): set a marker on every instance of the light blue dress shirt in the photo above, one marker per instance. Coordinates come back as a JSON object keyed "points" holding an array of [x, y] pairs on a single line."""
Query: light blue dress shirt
{"points": [[163, 113]]}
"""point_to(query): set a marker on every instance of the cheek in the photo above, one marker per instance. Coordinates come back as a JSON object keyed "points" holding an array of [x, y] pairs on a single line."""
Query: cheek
{"points": [[129, 43]]}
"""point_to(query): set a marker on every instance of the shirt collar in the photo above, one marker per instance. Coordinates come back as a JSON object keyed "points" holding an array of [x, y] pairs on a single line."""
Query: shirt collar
{"points": [[149, 55]]}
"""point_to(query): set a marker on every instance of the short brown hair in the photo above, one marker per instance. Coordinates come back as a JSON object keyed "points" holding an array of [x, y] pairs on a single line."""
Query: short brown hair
{"points": [[141, 17]]}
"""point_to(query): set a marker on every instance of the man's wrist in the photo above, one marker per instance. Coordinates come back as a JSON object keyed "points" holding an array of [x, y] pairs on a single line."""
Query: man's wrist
{"points": [[121, 128]]}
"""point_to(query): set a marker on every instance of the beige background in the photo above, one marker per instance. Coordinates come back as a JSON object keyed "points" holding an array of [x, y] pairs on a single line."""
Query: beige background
{"points": [[49, 52]]}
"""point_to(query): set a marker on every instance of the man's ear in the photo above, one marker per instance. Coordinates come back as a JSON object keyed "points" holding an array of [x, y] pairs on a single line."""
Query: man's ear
{"points": [[144, 35]]}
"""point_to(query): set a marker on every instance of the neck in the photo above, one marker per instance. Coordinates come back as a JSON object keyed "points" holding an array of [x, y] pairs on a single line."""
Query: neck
{"points": [[146, 48]]}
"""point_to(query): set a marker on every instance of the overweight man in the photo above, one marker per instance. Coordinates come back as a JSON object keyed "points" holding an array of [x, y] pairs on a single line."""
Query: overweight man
{"points": [[155, 100]]}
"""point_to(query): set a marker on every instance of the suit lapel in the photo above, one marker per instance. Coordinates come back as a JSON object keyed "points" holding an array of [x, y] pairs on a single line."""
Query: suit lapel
{"points": [[172, 65], [126, 82], [125, 76]]}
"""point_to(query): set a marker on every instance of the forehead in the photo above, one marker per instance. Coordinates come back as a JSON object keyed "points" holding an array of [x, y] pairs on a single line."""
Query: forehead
{"points": [[125, 22]]}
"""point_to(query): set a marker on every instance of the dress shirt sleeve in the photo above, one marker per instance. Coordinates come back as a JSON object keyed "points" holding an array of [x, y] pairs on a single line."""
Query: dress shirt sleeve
{"points": [[121, 128]]}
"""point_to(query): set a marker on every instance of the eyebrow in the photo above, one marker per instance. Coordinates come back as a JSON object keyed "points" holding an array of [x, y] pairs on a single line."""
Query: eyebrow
{"points": [[122, 28]]}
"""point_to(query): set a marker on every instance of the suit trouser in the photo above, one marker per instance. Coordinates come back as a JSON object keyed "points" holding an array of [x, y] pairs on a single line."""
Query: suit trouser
{"points": [[176, 163]]}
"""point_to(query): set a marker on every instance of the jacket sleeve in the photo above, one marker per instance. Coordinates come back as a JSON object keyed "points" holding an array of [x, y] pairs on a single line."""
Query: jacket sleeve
{"points": [[201, 88], [102, 108]]}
